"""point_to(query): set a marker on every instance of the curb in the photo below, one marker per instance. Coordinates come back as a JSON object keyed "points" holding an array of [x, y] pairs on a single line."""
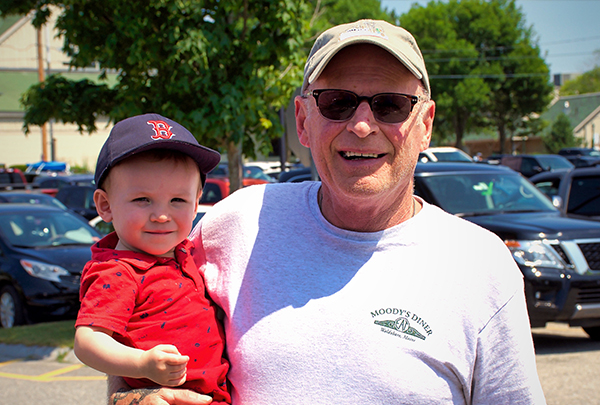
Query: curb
{"points": [[14, 352]]}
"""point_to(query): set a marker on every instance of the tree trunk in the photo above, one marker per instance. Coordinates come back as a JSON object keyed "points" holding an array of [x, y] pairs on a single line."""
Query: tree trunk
{"points": [[234, 157], [502, 137], [459, 130]]}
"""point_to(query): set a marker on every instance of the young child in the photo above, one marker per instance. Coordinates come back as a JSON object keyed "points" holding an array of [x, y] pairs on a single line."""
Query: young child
{"points": [[144, 312]]}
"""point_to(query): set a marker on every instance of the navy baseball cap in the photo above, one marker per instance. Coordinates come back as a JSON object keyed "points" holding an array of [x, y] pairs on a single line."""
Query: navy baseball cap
{"points": [[152, 131]]}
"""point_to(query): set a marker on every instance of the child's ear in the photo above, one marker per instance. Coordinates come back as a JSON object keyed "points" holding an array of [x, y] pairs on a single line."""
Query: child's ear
{"points": [[198, 197], [103, 205]]}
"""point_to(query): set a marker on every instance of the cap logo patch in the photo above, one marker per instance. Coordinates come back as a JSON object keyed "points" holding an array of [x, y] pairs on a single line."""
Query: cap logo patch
{"points": [[362, 29], [161, 129]]}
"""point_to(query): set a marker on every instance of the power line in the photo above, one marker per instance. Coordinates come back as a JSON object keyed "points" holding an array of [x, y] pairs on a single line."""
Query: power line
{"points": [[488, 76]]}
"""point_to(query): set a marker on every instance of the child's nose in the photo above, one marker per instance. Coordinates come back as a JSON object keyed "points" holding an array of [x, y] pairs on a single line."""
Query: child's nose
{"points": [[159, 217]]}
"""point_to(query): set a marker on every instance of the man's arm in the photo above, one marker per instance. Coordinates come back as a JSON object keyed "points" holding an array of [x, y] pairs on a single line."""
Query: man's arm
{"points": [[119, 393]]}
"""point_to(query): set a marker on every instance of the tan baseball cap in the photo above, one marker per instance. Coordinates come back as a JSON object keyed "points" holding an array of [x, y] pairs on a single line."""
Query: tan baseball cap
{"points": [[395, 40]]}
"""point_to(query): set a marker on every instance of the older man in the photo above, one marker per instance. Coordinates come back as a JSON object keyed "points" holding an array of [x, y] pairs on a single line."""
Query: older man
{"points": [[352, 290]]}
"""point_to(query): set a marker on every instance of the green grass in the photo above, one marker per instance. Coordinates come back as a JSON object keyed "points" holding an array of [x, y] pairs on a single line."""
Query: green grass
{"points": [[53, 334]]}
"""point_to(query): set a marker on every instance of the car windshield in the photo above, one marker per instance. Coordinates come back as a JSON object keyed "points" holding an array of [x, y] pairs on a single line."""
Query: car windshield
{"points": [[255, 172], [554, 162], [35, 199], [45, 229], [452, 156], [485, 193]]}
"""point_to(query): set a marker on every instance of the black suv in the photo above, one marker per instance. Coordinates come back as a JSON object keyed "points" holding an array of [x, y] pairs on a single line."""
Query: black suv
{"points": [[581, 157], [576, 192], [529, 165], [559, 256]]}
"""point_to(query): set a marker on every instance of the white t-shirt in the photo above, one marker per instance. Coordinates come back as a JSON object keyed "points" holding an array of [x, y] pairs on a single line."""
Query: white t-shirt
{"points": [[431, 311]]}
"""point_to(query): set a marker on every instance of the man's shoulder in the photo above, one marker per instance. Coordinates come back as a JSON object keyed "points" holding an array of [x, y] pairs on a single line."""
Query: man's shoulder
{"points": [[257, 195], [456, 229], [246, 205]]}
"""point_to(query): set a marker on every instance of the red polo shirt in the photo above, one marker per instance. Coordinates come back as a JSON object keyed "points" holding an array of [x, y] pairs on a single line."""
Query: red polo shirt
{"points": [[147, 300]]}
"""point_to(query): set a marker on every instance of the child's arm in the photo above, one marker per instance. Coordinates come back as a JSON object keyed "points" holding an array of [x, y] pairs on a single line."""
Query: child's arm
{"points": [[162, 364]]}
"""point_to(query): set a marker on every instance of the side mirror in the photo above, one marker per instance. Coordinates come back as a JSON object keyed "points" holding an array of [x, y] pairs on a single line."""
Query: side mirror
{"points": [[557, 201]]}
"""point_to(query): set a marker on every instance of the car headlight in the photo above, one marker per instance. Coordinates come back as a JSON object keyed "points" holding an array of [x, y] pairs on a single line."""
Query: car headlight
{"points": [[45, 271], [535, 253]]}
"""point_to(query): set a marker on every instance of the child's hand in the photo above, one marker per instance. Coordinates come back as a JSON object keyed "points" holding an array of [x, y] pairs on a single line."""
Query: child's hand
{"points": [[164, 365]]}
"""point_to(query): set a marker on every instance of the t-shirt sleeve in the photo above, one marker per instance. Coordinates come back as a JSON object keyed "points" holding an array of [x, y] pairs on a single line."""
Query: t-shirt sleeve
{"points": [[505, 369], [108, 296]]}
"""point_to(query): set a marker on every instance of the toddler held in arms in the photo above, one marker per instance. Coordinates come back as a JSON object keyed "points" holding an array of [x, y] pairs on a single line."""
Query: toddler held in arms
{"points": [[144, 310]]}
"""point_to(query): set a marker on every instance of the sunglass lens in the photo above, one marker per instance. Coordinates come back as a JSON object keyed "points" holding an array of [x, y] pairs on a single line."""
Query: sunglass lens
{"points": [[337, 105], [391, 108]]}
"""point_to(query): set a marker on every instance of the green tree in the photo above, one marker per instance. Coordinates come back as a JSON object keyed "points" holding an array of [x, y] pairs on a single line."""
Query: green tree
{"points": [[220, 68], [560, 135], [589, 82], [485, 69], [324, 14]]}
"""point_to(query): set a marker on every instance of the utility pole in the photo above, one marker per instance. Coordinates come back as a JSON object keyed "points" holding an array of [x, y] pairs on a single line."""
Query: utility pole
{"points": [[41, 79]]}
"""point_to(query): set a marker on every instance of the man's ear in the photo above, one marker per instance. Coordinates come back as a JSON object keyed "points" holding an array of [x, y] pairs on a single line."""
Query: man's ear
{"points": [[103, 205], [301, 114], [427, 117]]}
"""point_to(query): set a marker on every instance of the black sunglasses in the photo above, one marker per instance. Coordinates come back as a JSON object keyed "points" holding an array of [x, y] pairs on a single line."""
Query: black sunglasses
{"points": [[340, 105]]}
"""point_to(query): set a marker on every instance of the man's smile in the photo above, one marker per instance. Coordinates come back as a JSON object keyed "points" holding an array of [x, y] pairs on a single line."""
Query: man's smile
{"points": [[357, 155]]}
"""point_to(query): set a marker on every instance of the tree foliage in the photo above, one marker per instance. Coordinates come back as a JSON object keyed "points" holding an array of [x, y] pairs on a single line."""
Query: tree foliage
{"points": [[588, 82], [484, 66], [324, 14], [220, 68], [561, 135]]}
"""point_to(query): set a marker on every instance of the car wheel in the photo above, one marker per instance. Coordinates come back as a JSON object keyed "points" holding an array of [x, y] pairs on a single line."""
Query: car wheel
{"points": [[11, 308], [593, 332]]}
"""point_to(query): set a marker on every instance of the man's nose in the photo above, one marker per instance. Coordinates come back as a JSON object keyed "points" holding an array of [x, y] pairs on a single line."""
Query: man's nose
{"points": [[363, 122]]}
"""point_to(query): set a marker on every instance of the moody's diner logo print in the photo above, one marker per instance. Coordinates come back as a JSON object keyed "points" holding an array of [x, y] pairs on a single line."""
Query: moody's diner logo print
{"points": [[161, 129], [402, 323]]}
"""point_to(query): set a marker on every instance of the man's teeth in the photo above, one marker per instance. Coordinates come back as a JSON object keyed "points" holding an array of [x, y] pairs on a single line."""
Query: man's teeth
{"points": [[355, 155]]}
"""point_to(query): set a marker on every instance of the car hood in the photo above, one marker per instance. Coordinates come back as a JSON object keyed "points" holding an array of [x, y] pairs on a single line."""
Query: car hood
{"points": [[545, 225], [71, 258]]}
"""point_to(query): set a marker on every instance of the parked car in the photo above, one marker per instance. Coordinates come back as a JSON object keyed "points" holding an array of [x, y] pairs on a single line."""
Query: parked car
{"points": [[79, 199], [30, 197], [558, 256], [576, 192], [51, 183], [42, 252], [217, 188], [444, 154], [12, 179], [528, 165], [581, 157], [272, 168], [252, 174], [296, 175]]}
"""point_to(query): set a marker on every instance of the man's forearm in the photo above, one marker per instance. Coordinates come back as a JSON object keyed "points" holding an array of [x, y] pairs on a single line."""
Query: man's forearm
{"points": [[119, 393]]}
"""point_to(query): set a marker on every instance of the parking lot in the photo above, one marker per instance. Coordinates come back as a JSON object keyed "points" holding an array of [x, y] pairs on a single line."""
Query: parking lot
{"points": [[568, 365]]}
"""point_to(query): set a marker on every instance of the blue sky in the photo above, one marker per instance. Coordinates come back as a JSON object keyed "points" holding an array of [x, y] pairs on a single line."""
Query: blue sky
{"points": [[568, 30]]}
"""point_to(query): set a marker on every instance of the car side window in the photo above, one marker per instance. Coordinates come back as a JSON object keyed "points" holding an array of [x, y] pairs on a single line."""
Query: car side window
{"points": [[211, 194], [584, 197], [529, 167], [548, 187]]}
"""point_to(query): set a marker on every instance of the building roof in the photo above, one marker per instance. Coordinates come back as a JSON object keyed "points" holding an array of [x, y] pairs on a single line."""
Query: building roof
{"points": [[7, 22], [578, 108]]}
